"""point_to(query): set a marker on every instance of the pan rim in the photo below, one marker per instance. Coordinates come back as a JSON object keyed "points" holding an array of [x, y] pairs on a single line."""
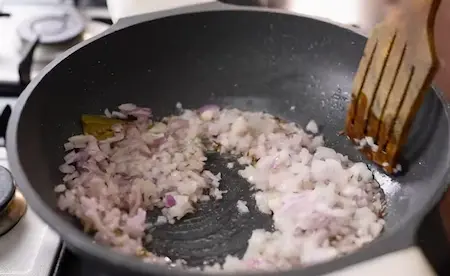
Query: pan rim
{"points": [[81, 243]]}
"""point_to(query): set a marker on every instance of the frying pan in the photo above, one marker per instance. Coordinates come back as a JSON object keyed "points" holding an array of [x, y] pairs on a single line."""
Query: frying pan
{"points": [[246, 58]]}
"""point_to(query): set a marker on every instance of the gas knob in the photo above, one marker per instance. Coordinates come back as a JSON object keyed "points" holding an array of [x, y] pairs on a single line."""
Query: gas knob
{"points": [[12, 203]]}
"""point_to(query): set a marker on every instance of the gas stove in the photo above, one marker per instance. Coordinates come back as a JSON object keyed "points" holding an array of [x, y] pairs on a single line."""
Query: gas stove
{"points": [[30, 246], [33, 33]]}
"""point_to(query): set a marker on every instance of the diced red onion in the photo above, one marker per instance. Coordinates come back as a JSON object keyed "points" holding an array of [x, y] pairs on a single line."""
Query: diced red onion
{"points": [[83, 156], [116, 138], [129, 171], [141, 112], [80, 139], [117, 128], [208, 107], [68, 146], [258, 263], [70, 177], [274, 164], [159, 141], [133, 110], [71, 157], [108, 113], [66, 168], [170, 201], [127, 107], [119, 115], [177, 124], [303, 198]]}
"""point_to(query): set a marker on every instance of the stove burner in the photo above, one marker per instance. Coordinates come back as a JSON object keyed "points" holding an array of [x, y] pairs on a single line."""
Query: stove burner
{"points": [[12, 203], [7, 188], [52, 28]]}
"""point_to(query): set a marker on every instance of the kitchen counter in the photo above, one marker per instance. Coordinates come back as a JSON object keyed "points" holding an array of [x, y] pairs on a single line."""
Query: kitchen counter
{"points": [[361, 13]]}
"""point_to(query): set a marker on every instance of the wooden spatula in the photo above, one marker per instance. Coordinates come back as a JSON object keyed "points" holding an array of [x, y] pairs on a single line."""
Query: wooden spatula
{"points": [[395, 72]]}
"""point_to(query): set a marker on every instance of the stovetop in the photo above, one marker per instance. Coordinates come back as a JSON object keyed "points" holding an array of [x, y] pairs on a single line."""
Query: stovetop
{"points": [[28, 249], [22, 57], [31, 248]]}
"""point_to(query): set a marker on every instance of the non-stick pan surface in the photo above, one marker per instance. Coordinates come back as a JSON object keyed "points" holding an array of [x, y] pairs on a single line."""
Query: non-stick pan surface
{"points": [[246, 59]]}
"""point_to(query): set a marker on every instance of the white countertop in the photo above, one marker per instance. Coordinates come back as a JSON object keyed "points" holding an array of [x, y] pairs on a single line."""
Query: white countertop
{"points": [[362, 13], [124, 8]]}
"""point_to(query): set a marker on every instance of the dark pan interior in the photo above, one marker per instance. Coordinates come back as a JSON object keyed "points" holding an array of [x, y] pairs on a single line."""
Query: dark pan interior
{"points": [[249, 60]]}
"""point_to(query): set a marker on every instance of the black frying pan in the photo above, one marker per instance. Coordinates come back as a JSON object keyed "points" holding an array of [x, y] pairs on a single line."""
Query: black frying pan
{"points": [[244, 58]]}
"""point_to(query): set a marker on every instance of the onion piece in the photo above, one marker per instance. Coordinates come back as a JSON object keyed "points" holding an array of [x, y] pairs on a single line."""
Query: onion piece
{"points": [[127, 107], [159, 141], [66, 168], [177, 124], [119, 115], [141, 112], [108, 113], [170, 201], [208, 107]]}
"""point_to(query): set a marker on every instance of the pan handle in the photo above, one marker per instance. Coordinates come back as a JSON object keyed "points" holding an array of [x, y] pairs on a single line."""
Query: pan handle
{"points": [[410, 261]]}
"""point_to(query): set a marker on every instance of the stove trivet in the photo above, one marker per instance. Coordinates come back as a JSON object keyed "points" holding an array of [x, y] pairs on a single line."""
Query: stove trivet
{"points": [[52, 28], [35, 37], [12, 203]]}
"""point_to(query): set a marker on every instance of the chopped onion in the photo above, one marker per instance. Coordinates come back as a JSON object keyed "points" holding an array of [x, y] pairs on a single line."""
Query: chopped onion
{"points": [[170, 201], [140, 112], [108, 113], [127, 107], [159, 141], [177, 124], [323, 205], [120, 115], [208, 107]]}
